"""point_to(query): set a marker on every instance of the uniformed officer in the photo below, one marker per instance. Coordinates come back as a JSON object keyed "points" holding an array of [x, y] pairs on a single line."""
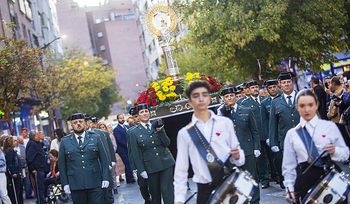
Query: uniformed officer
{"points": [[83, 164], [152, 157], [238, 93], [283, 117], [143, 184], [253, 102], [273, 90], [246, 131], [246, 92], [108, 147]]}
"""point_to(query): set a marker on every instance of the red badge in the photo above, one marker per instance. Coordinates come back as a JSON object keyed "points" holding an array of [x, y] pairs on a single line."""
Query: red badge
{"points": [[323, 136], [218, 134]]}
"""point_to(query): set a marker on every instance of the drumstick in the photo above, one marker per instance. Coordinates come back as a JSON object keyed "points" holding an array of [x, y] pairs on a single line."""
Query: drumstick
{"points": [[313, 162], [190, 198], [290, 195]]}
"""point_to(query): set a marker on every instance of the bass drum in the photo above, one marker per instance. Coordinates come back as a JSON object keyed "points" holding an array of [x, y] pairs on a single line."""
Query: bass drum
{"points": [[238, 188], [332, 189]]}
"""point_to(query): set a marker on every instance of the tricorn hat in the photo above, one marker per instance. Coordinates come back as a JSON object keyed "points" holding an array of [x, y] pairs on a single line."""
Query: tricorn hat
{"points": [[252, 83], [270, 82], [228, 90], [87, 117], [132, 111], [76, 116], [94, 120], [286, 75]]}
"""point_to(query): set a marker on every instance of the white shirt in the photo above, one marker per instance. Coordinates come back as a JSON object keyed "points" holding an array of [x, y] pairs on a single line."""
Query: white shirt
{"points": [[123, 126], [322, 133], [25, 142], [55, 144], [82, 137], [291, 98], [144, 125], [234, 108], [222, 140], [254, 98]]}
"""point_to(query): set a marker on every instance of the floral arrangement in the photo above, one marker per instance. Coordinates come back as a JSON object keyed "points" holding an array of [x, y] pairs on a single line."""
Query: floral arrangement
{"points": [[161, 93]]}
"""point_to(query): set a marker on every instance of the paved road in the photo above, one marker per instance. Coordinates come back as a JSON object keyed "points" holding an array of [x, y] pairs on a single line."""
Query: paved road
{"points": [[130, 194]]}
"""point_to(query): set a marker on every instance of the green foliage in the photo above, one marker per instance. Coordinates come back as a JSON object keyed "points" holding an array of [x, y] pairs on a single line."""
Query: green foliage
{"points": [[234, 34], [80, 83]]}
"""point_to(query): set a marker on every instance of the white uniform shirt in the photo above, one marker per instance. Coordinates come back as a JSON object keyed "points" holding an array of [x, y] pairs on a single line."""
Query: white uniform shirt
{"points": [[322, 132], [223, 139], [291, 98], [82, 137]]}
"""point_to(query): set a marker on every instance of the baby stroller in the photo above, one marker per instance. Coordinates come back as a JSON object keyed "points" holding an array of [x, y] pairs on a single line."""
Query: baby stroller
{"points": [[56, 195]]}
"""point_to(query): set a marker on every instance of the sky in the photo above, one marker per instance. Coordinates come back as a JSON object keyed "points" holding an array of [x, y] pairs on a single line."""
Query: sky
{"points": [[82, 3]]}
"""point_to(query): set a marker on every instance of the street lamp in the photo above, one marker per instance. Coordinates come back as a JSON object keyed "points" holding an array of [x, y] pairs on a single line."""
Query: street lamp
{"points": [[46, 45]]}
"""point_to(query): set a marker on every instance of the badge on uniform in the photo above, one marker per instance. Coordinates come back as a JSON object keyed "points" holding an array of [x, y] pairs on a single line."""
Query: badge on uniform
{"points": [[277, 106]]}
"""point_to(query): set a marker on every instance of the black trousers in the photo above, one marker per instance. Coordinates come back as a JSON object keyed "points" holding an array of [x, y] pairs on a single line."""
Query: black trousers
{"points": [[47, 182], [87, 196], [15, 192], [204, 192]]}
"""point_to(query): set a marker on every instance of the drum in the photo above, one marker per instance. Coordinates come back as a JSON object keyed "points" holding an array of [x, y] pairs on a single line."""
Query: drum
{"points": [[332, 189], [238, 188]]}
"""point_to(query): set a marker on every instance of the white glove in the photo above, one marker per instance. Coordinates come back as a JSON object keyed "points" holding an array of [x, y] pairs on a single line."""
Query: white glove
{"points": [[257, 153], [105, 184], [144, 175], [268, 142], [66, 189], [275, 149], [113, 163], [110, 167]]}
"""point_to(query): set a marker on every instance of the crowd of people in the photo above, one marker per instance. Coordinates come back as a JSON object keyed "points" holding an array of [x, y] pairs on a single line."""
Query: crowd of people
{"points": [[274, 133]]}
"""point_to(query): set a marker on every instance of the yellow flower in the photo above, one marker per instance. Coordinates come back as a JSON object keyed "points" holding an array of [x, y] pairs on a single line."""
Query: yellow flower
{"points": [[172, 88], [156, 88], [173, 94], [170, 83], [154, 84], [159, 93], [162, 97], [196, 75], [169, 95], [189, 76], [168, 79], [165, 89], [190, 82], [164, 84]]}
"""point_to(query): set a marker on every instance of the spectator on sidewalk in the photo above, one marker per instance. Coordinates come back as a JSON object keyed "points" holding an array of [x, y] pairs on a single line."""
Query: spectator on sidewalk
{"points": [[321, 97], [59, 134], [3, 180]]}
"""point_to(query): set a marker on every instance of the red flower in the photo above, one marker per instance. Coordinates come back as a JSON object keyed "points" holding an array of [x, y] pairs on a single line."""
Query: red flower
{"points": [[221, 83], [148, 101], [149, 96], [214, 80], [135, 104], [211, 87], [154, 102], [203, 75], [143, 94], [154, 95], [217, 86], [150, 89]]}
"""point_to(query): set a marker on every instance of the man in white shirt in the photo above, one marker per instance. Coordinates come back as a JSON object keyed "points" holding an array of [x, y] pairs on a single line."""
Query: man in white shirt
{"points": [[220, 134], [25, 136]]}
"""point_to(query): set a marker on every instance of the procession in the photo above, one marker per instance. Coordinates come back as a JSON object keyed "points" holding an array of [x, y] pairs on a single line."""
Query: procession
{"points": [[174, 102]]}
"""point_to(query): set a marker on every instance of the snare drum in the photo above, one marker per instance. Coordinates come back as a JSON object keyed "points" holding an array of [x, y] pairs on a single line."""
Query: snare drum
{"points": [[238, 188], [332, 189]]}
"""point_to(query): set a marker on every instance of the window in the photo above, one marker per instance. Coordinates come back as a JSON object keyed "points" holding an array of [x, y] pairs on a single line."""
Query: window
{"points": [[129, 10], [22, 8], [102, 48], [157, 62], [28, 10], [98, 20], [150, 49], [43, 19], [99, 34], [105, 61], [128, 17], [106, 19], [36, 41]]}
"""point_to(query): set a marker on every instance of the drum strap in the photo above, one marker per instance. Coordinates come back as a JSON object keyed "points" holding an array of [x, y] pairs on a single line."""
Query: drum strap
{"points": [[309, 143]]}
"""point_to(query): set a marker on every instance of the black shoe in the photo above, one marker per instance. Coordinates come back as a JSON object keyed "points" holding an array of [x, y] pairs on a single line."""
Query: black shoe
{"points": [[346, 162], [265, 185], [282, 185], [115, 191], [132, 181]]}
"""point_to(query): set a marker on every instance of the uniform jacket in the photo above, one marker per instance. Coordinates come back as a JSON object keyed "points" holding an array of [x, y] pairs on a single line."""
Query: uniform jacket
{"points": [[282, 118], [107, 144], [239, 101], [255, 107], [131, 159], [265, 115], [120, 136], [149, 149], [85, 166], [245, 128]]}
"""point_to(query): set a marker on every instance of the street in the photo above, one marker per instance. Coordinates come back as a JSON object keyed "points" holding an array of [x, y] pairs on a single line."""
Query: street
{"points": [[130, 194]]}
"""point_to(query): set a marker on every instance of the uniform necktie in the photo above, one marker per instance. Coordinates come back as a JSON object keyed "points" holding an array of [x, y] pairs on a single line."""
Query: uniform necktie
{"points": [[80, 141], [290, 100], [257, 100], [147, 125]]}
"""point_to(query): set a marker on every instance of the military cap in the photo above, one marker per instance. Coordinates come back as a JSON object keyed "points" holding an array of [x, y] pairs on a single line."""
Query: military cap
{"points": [[245, 85], [228, 90], [132, 111], [87, 117], [238, 91], [94, 120], [270, 82], [252, 83], [77, 116], [286, 75], [69, 118], [141, 107]]}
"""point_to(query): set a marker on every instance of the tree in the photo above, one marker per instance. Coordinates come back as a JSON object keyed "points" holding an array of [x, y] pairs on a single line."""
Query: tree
{"points": [[20, 72], [234, 34], [79, 83]]}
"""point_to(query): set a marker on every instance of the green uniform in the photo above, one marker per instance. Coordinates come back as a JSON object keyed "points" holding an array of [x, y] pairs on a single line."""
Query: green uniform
{"points": [[239, 101], [143, 184], [283, 117], [262, 165], [150, 154], [247, 134], [79, 164], [107, 193]]}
